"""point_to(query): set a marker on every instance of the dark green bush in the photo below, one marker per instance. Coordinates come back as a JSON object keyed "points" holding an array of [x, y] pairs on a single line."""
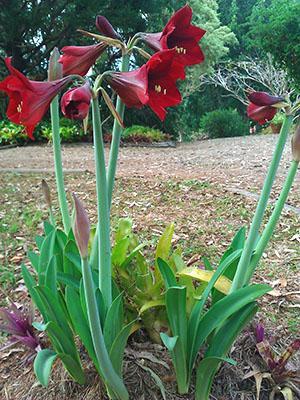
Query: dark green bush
{"points": [[224, 123], [139, 133]]}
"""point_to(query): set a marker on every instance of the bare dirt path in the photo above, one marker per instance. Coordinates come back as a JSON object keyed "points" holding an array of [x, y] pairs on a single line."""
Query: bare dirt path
{"points": [[239, 164]]}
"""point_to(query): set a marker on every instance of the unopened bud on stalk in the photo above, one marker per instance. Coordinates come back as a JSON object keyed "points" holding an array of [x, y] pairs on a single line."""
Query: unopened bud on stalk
{"points": [[81, 227], [46, 192], [296, 144], [55, 69]]}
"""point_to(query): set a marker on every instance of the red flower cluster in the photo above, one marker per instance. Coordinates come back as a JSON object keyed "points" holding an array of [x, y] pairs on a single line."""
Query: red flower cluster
{"points": [[28, 100], [180, 34], [263, 106], [154, 84]]}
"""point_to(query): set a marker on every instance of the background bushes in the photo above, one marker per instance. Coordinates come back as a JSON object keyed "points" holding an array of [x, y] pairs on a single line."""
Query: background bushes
{"points": [[224, 123]]}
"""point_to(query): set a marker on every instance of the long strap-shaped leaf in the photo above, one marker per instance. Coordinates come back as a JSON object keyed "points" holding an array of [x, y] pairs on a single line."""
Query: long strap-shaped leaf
{"points": [[222, 310], [196, 313], [219, 347]]}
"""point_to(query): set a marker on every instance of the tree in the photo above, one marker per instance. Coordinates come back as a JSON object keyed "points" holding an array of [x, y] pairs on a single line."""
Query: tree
{"points": [[275, 28], [31, 28]]}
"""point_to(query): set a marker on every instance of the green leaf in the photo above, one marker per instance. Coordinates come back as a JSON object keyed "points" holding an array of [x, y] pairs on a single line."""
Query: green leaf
{"points": [[124, 229], [165, 242], [151, 304], [52, 309], [204, 380], [119, 251], [220, 346], [222, 310], [176, 310], [156, 379], [47, 252], [42, 365], [39, 241], [68, 280], [167, 273], [34, 259], [113, 322], [223, 284], [48, 228], [80, 322], [73, 367], [131, 256], [30, 284], [168, 341], [118, 347], [72, 260], [51, 276]]}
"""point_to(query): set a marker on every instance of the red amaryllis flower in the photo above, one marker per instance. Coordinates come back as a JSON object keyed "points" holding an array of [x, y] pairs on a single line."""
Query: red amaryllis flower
{"points": [[28, 100], [75, 103], [180, 34], [79, 59], [153, 84], [263, 106], [105, 27]]}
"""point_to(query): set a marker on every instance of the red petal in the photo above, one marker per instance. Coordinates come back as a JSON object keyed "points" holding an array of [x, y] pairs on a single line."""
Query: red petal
{"points": [[260, 114], [264, 99]]}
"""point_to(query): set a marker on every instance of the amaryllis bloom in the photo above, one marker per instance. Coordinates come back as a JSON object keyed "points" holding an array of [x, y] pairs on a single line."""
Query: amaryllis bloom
{"points": [[105, 27], [180, 34], [75, 103], [79, 59], [263, 106], [153, 84], [28, 100]]}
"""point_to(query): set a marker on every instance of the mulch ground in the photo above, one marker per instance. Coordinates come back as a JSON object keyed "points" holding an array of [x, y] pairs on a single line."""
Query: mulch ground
{"points": [[193, 185]]}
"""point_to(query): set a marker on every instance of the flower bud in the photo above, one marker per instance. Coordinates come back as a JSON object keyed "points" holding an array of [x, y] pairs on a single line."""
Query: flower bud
{"points": [[296, 144], [75, 103], [55, 68], [105, 28], [46, 192], [265, 99], [81, 227]]}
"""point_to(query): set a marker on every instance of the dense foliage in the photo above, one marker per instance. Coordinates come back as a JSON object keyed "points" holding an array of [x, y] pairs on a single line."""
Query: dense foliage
{"points": [[224, 123]]}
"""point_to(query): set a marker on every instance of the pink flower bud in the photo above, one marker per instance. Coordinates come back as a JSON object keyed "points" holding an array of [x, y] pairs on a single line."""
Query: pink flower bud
{"points": [[81, 227], [296, 144], [105, 27]]}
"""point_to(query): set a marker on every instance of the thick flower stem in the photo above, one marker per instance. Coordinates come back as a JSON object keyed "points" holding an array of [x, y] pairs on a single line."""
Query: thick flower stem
{"points": [[54, 110], [103, 226], [111, 378], [116, 137], [239, 278], [113, 158], [270, 227]]}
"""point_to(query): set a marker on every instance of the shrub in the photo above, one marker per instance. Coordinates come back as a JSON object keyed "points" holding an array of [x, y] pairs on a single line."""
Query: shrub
{"points": [[11, 134], [224, 123], [139, 133]]}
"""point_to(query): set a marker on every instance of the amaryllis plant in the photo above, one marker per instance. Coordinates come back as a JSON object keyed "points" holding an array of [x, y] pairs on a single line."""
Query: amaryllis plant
{"points": [[71, 283]]}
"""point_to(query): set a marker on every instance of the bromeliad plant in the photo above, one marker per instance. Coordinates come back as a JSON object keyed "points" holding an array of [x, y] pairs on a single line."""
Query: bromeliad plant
{"points": [[72, 283]]}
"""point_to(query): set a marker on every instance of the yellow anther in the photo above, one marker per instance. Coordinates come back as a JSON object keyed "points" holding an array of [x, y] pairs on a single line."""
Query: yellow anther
{"points": [[165, 91], [158, 88], [19, 108]]}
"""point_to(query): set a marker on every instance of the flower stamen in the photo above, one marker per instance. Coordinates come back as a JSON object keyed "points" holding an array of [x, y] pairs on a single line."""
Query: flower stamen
{"points": [[20, 106]]}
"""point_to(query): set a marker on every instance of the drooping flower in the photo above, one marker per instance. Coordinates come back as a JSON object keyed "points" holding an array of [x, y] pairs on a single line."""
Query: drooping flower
{"points": [[263, 106], [106, 28], [28, 100], [79, 59], [75, 103], [154, 84], [296, 144], [180, 34]]}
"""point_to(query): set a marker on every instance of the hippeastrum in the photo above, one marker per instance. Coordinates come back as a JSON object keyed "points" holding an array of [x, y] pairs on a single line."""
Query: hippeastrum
{"points": [[180, 34], [105, 28], [28, 100], [79, 59], [75, 103], [263, 106], [154, 84]]}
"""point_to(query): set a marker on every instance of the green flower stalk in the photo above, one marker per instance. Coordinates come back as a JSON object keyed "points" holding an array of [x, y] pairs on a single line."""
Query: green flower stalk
{"points": [[59, 175], [271, 225], [114, 383], [113, 157], [241, 272], [103, 226], [55, 72]]}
